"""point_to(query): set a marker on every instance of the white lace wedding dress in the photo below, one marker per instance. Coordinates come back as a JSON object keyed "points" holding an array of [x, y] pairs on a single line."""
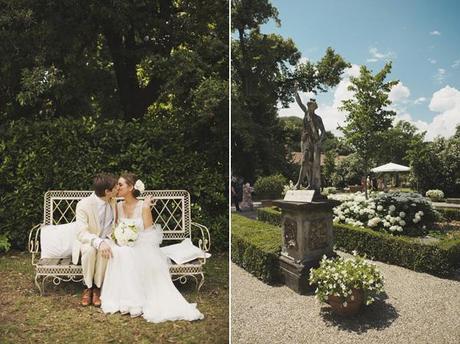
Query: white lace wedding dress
{"points": [[137, 279]]}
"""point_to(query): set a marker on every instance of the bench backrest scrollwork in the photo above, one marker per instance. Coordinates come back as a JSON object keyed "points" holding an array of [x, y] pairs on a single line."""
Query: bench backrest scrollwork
{"points": [[171, 210]]}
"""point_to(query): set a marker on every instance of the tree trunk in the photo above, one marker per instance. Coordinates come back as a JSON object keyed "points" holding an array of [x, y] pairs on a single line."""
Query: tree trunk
{"points": [[133, 99]]}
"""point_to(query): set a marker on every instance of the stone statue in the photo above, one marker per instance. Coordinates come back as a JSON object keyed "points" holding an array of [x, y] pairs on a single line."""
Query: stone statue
{"points": [[312, 136], [247, 203]]}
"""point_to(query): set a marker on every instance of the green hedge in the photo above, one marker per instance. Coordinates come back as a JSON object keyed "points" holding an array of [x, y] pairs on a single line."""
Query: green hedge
{"points": [[440, 259], [65, 154], [256, 247], [269, 215], [451, 214], [270, 187]]}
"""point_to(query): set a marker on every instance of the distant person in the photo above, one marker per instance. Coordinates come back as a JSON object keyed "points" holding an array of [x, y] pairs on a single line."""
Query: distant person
{"points": [[236, 193]]}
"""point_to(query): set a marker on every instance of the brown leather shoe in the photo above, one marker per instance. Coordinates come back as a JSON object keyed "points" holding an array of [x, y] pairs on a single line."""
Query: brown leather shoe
{"points": [[86, 298], [96, 297]]}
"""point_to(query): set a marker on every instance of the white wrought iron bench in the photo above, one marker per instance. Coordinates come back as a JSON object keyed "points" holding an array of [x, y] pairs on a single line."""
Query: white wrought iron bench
{"points": [[171, 211]]}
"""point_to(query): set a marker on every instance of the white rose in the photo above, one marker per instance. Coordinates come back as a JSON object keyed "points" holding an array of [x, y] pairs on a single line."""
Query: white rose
{"points": [[392, 208], [139, 185], [379, 208], [402, 214]]}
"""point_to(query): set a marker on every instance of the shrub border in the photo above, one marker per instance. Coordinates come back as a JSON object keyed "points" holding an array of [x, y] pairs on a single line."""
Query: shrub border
{"points": [[256, 247], [440, 259], [449, 213]]}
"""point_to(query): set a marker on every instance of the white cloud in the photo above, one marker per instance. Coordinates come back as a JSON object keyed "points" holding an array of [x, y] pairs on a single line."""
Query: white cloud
{"points": [[377, 56], [432, 61], [440, 75], [435, 33], [446, 104], [456, 64], [420, 100], [399, 93]]}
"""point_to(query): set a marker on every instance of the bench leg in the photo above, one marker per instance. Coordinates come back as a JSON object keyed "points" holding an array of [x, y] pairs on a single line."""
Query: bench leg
{"points": [[37, 283], [201, 283]]}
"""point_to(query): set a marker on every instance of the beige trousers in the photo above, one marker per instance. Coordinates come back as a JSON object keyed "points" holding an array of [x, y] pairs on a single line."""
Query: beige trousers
{"points": [[93, 265]]}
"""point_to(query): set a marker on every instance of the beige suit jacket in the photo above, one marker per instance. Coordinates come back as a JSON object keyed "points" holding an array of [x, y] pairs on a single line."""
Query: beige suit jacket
{"points": [[88, 223]]}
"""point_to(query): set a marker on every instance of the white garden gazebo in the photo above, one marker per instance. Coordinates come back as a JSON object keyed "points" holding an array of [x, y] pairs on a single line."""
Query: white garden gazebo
{"points": [[391, 168]]}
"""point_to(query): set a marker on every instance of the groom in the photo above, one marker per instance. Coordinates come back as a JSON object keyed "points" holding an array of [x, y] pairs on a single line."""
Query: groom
{"points": [[95, 215]]}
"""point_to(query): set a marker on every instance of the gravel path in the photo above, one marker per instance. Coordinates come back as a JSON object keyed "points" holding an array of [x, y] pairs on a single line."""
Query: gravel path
{"points": [[419, 308]]}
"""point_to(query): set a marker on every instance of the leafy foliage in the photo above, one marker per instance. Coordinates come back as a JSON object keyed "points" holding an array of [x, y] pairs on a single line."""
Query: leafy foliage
{"points": [[400, 144], [368, 117], [111, 59], [348, 171], [270, 187], [439, 259], [436, 165], [269, 215], [65, 154], [264, 74], [256, 247]]}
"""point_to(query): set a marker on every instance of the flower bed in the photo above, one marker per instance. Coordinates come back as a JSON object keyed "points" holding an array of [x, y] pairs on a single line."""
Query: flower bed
{"points": [[256, 247], [396, 212], [440, 258]]}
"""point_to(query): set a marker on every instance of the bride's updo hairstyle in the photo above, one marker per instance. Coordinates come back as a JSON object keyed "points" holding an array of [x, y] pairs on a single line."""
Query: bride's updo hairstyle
{"points": [[131, 179]]}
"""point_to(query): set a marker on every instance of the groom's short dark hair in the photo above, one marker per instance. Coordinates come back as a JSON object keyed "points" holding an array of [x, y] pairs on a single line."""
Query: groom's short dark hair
{"points": [[102, 182]]}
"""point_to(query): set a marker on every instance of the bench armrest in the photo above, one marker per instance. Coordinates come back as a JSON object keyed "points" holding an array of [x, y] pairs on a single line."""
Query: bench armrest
{"points": [[34, 241], [204, 242]]}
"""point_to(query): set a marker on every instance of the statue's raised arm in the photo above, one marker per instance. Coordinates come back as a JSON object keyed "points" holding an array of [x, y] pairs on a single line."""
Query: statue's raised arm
{"points": [[299, 102]]}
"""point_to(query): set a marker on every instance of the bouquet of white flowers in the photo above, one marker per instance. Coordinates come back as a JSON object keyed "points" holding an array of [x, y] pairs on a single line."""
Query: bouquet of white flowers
{"points": [[125, 234]]}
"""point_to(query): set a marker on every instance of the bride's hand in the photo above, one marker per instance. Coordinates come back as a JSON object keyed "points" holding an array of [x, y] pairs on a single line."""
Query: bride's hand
{"points": [[148, 202]]}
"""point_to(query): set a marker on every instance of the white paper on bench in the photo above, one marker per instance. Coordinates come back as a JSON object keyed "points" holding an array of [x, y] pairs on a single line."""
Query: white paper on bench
{"points": [[184, 252], [56, 241]]}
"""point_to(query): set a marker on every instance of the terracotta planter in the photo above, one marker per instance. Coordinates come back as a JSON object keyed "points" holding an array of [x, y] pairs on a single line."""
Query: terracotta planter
{"points": [[353, 303]]}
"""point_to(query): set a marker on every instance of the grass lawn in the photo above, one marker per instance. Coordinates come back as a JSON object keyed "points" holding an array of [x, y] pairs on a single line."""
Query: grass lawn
{"points": [[27, 317]]}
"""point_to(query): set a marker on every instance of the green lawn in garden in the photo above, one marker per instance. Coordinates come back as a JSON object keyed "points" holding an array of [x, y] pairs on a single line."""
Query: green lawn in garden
{"points": [[27, 317]]}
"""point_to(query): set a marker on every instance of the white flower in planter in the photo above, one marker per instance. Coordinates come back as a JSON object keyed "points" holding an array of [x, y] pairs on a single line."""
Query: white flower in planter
{"points": [[402, 214]]}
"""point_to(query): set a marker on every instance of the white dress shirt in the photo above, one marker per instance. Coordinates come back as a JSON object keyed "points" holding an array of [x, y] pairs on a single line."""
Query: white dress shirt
{"points": [[105, 215]]}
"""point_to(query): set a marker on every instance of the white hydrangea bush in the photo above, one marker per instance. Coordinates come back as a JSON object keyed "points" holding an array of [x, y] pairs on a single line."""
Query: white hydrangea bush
{"points": [[397, 213], [435, 195]]}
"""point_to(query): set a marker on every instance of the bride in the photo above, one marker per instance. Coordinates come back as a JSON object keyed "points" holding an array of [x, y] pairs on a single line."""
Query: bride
{"points": [[137, 280]]}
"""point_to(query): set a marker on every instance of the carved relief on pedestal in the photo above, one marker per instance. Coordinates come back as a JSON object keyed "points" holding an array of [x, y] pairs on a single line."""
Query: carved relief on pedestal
{"points": [[318, 235], [290, 233]]}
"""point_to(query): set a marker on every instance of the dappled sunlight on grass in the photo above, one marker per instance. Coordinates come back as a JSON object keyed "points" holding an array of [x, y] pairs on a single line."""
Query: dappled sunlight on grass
{"points": [[25, 316]]}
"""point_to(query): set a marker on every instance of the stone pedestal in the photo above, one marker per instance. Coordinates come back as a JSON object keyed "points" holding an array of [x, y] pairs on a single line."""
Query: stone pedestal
{"points": [[306, 236]]}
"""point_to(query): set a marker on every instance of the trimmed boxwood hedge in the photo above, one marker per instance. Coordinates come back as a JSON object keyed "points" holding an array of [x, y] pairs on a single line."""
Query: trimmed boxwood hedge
{"points": [[451, 214], [256, 247], [440, 258], [269, 215]]}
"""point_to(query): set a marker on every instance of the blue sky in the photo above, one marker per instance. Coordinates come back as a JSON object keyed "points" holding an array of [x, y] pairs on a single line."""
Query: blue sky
{"points": [[421, 38]]}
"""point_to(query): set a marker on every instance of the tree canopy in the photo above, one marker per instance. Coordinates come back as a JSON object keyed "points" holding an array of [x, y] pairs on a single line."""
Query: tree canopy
{"points": [[265, 72], [368, 117], [113, 59]]}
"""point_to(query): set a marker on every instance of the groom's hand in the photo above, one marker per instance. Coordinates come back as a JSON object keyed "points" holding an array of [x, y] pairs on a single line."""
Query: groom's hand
{"points": [[105, 249]]}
